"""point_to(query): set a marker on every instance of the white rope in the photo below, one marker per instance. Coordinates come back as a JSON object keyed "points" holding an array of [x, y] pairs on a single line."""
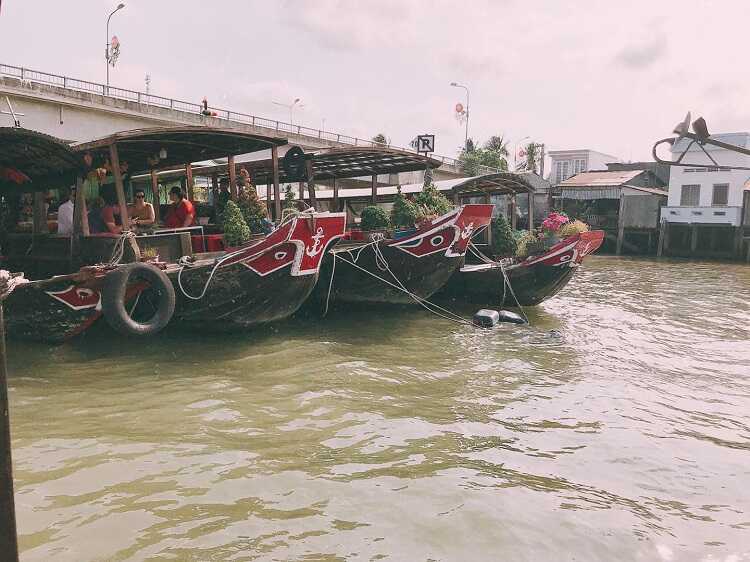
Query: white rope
{"points": [[330, 285], [119, 250], [451, 316], [512, 292], [216, 266]]}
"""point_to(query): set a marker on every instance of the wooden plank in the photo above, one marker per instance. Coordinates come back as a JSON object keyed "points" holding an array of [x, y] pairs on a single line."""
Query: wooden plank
{"points": [[114, 159], [335, 196], [276, 187], [374, 189], [311, 184], [80, 212], [189, 185], [155, 195], [232, 178]]}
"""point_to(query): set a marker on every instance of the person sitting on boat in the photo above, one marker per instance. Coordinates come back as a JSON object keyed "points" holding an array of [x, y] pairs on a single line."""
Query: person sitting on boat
{"points": [[141, 212], [110, 213], [181, 212], [65, 214], [224, 194]]}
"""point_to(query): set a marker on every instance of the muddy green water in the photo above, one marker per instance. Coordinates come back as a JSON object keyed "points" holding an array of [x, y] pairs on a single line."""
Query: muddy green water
{"points": [[616, 427]]}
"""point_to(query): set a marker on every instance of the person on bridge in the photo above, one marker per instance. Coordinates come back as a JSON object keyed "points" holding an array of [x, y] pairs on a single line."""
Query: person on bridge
{"points": [[181, 212]]}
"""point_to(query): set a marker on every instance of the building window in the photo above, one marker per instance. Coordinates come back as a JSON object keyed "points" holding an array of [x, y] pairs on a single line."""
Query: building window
{"points": [[690, 196], [721, 194], [579, 165], [562, 170]]}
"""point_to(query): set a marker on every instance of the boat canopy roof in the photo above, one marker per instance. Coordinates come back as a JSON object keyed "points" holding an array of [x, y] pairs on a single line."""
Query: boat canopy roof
{"points": [[329, 163], [33, 161], [168, 147], [498, 183]]}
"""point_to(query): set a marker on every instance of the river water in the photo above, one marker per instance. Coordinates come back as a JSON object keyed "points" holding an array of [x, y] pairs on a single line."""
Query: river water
{"points": [[617, 426]]}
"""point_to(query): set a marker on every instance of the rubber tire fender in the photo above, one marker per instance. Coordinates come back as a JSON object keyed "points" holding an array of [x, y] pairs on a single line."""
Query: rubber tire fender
{"points": [[113, 299]]}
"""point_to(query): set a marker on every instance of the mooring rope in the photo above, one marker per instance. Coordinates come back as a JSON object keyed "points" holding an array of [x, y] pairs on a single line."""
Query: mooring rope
{"points": [[448, 315]]}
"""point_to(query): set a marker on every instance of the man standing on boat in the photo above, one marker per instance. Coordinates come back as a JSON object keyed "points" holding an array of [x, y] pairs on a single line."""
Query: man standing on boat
{"points": [[181, 212]]}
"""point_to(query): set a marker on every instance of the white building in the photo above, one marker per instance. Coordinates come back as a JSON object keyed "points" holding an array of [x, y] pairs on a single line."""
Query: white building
{"points": [[568, 163], [705, 194]]}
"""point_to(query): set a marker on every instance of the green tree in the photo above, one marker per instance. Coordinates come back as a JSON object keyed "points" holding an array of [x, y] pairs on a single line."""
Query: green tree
{"points": [[493, 154], [236, 231], [532, 158]]}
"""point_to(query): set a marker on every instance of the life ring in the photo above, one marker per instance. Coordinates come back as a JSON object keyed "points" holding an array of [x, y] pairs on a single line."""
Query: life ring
{"points": [[114, 299]]}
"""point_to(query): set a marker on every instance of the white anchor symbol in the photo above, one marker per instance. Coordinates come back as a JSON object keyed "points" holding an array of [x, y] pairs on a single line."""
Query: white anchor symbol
{"points": [[467, 231], [316, 249]]}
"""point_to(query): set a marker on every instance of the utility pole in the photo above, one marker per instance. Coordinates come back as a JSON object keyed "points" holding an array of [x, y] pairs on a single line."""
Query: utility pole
{"points": [[466, 135], [107, 54]]}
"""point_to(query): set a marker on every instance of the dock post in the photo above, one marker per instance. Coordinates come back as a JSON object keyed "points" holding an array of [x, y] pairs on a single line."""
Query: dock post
{"points": [[693, 238], [662, 237], [8, 536]]}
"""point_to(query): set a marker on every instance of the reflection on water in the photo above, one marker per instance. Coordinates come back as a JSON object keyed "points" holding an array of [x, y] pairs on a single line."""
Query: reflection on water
{"points": [[617, 426]]}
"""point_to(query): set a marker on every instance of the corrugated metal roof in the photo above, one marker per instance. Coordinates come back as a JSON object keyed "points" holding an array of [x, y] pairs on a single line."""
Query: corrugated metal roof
{"points": [[600, 179]]}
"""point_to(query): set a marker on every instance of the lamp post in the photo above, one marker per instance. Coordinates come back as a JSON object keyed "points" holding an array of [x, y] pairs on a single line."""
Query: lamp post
{"points": [[290, 107], [106, 50], [466, 136]]}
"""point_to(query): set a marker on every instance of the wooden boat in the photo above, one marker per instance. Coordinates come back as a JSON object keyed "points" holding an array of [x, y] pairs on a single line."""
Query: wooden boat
{"points": [[401, 271], [261, 281], [532, 280]]}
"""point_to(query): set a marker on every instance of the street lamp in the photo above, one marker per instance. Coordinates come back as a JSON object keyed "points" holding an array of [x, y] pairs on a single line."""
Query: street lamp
{"points": [[107, 55], [466, 136], [290, 107]]}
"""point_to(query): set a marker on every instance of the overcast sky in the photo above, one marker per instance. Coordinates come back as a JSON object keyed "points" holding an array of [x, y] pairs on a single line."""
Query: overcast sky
{"points": [[608, 75]]}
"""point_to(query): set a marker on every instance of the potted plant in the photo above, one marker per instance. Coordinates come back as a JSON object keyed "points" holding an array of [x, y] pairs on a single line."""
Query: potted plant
{"points": [[236, 231], [503, 242], [253, 210], [403, 216], [551, 228], [374, 221]]}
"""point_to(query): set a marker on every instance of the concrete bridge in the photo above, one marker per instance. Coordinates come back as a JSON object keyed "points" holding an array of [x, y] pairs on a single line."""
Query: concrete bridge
{"points": [[78, 110]]}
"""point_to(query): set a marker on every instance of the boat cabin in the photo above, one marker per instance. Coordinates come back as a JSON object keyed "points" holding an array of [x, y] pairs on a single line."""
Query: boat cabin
{"points": [[101, 172]]}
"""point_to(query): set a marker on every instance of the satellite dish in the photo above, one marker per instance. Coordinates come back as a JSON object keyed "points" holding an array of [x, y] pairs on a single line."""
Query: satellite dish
{"points": [[700, 128], [683, 126], [294, 164]]}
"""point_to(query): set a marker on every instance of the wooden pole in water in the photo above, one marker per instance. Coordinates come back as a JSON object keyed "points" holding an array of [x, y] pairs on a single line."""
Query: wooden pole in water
{"points": [[620, 225], [155, 195], [114, 159], [276, 187], [8, 537]]}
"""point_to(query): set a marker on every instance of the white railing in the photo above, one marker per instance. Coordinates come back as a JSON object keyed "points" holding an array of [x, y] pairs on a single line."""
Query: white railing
{"points": [[703, 215], [28, 75]]}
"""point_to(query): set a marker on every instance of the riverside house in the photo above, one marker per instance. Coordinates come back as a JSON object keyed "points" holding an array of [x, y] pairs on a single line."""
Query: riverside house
{"points": [[708, 208]]}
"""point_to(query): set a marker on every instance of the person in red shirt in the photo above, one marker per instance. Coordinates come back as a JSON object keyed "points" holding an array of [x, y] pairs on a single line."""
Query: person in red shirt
{"points": [[181, 212]]}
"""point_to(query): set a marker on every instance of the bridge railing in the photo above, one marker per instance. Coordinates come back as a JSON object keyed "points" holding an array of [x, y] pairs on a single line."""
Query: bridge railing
{"points": [[28, 75]]}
